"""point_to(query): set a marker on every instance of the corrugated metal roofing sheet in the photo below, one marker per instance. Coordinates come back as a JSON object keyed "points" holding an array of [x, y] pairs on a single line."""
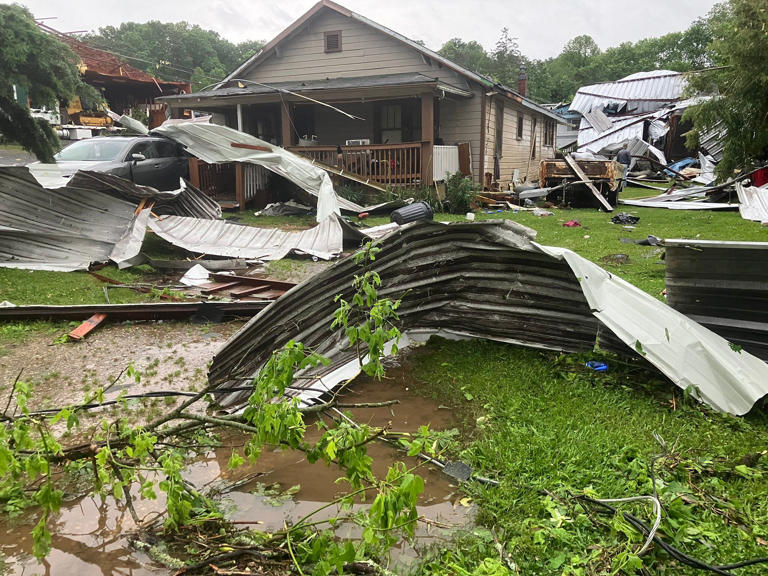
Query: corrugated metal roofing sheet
{"points": [[491, 280], [63, 229], [723, 285], [753, 203], [222, 238], [642, 92], [218, 144]]}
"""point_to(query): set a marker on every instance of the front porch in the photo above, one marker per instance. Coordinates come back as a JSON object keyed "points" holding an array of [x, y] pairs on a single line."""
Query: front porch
{"points": [[383, 133]]}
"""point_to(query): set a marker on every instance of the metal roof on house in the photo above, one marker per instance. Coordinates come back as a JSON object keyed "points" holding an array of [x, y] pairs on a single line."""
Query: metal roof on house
{"points": [[642, 92]]}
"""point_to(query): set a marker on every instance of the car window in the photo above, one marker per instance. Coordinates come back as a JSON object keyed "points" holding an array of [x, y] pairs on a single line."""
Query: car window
{"points": [[94, 150], [148, 149], [167, 149]]}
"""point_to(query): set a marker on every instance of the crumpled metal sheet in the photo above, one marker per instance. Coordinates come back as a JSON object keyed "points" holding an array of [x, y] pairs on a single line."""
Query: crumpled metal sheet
{"points": [[753, 202], [222, 238], [723, 285], [213, 144], [185, 201], [491, 280], [64, 229]]}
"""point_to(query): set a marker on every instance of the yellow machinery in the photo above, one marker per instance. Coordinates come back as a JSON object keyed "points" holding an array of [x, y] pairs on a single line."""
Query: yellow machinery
{"points": [[77, 115]]}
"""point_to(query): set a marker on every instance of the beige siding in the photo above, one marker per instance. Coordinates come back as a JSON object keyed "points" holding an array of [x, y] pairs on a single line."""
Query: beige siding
{"points": [[365, 52], [515, 152], [461, 121]]}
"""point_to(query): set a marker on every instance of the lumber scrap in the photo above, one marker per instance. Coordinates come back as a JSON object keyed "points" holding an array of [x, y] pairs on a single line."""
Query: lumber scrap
{"points": [[349, 176], [580, 173], [87, 326], [253, 281]]}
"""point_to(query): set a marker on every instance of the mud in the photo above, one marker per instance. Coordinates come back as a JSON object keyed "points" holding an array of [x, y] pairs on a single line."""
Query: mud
{"points": [[166, 355], [92, 535]]}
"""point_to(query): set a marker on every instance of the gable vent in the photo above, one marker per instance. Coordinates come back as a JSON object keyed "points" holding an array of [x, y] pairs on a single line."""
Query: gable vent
{"points": [[333, 41]]}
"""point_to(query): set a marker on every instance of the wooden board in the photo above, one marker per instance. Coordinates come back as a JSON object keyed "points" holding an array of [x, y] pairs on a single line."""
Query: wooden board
{"points": [[212, 287], [595, 192], [252, 281], [82, 331]]}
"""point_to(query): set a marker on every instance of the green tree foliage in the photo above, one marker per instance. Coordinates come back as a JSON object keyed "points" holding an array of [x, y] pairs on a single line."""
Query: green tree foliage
{"points": [[738, 85], [45, 67], [174, 51], [582, 62]]}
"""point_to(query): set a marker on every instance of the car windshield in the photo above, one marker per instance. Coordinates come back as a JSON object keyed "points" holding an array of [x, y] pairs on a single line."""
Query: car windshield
{"points": [[96, 150]]}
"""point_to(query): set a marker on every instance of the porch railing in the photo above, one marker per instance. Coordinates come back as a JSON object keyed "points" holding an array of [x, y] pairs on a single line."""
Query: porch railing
{"points": [[394, 165]]}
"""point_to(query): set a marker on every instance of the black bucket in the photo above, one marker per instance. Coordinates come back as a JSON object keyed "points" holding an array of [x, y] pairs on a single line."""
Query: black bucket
{"points": [[411, 213]]}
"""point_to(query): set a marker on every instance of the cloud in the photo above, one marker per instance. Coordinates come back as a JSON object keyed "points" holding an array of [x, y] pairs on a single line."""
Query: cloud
{"points": [[541, 27]]}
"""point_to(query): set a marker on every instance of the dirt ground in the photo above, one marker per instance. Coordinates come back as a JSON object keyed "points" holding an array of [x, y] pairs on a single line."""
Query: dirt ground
{"points": [[166, 355]]}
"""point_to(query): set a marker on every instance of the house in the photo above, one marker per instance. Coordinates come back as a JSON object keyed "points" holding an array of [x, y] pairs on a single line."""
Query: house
{"points": [[122, 86], [645, 106], [346, 91]]}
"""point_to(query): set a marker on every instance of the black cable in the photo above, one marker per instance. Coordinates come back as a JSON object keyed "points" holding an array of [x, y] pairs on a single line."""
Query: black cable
{"points": [[671, 550]]}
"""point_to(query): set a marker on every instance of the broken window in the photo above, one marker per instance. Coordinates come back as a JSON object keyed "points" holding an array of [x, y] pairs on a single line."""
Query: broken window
{"points": [[499, 127], [520, 119], [533, 138], [333, 41]]}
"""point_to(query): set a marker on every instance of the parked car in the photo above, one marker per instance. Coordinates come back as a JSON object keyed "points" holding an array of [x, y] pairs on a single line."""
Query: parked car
{"points": [[146, 160]]}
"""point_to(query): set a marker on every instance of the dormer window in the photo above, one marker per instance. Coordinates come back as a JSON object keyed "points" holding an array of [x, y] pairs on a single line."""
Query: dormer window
{"points": [[333, 41]]}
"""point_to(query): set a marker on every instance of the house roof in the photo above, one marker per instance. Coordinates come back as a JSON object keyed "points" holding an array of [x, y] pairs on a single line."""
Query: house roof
{"points": [[102, 65], [642, 92], [405, 79], [297, 25]]}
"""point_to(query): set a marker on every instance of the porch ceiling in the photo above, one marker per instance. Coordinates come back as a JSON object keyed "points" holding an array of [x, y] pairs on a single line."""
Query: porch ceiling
{"points": [[394, 85]]}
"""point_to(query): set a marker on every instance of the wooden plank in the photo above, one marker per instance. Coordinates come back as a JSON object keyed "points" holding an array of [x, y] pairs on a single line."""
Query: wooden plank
{"points": [[248, 290], [253, 281], [595, 192], [82, 331], [251, 147], [212, 287], [465, 159]]}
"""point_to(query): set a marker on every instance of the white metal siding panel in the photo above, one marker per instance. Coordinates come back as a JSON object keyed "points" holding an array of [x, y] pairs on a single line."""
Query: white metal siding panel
{"points": [[445, 161]]}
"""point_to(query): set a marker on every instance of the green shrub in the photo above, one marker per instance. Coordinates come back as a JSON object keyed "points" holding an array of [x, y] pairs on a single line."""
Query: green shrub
{"points": [[459, 193]]}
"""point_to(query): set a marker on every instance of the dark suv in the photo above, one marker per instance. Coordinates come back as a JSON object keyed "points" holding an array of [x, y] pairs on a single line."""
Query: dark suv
{"points": [[146, 160]]}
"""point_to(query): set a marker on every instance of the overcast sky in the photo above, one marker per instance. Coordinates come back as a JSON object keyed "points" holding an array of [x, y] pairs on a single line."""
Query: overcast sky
{"points": [[541, 26]]}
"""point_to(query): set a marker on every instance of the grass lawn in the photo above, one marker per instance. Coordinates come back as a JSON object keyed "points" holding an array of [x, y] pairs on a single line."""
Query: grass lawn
{"points": [[549, 428]]}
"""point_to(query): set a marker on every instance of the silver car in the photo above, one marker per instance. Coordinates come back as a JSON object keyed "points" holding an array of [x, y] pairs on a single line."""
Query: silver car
{"points": [[145, 160]]}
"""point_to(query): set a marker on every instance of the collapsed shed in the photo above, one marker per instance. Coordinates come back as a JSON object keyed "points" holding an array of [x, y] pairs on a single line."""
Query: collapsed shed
{"points": [[492, 280]]}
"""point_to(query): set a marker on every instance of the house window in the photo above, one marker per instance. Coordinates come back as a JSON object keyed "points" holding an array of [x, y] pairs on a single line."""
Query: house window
{"points": [[333, 41], [533, 138], [519, 126], [549, 133], [499, 127]]}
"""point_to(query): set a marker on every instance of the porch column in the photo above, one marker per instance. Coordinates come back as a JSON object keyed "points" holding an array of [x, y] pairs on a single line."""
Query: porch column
{"points": [[239, 117], [286, 122], [427, 136]]}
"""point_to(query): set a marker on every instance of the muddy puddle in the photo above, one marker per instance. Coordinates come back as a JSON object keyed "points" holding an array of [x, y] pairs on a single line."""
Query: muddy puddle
{"points": [[91, 535]]}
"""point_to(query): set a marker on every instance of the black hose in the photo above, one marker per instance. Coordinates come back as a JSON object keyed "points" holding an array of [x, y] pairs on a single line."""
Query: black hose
{"points": [[681, 557]]}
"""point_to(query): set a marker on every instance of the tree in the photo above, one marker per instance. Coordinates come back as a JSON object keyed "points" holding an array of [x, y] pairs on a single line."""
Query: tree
{"points": [[175, 51], [44, 67], [471, 55], [738, 86]]}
